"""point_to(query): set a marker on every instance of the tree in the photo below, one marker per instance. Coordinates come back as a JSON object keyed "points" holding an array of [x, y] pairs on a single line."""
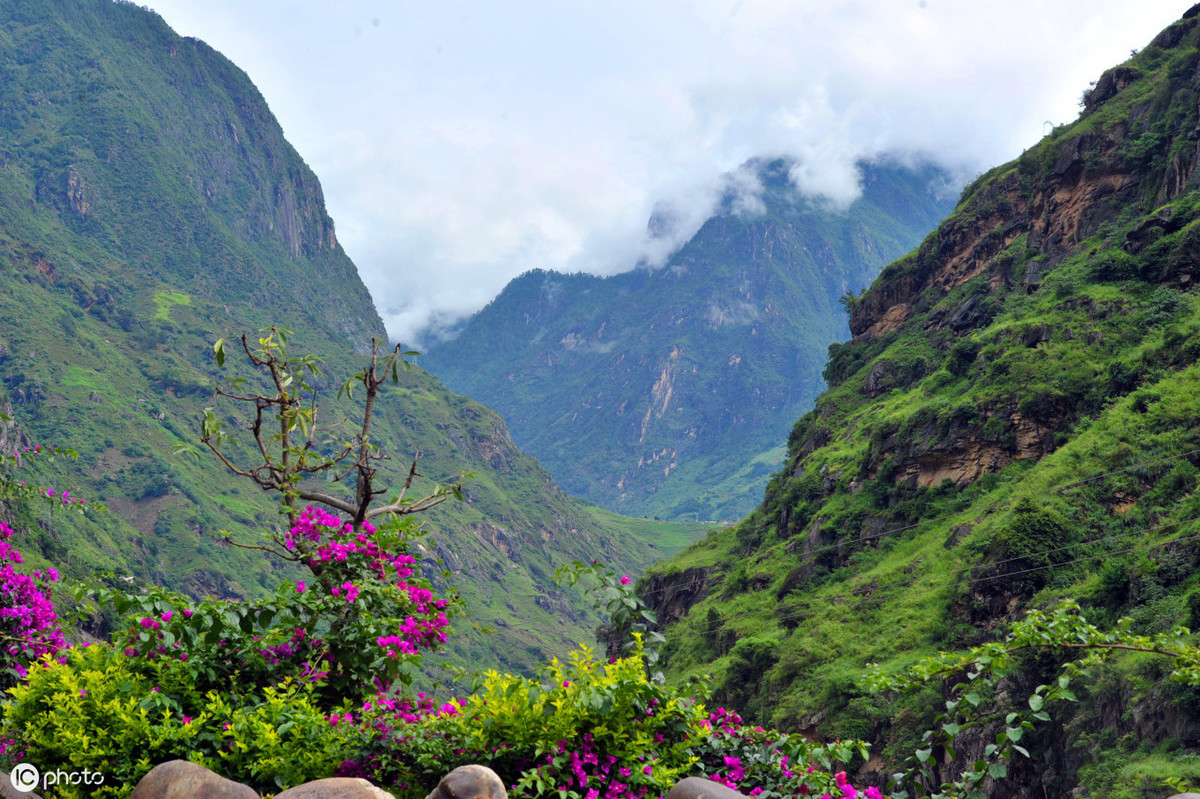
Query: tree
{"points": [[368, 613], [291, 454]]}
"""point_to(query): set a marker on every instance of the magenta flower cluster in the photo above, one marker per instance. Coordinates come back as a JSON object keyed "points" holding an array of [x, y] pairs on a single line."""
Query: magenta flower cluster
{"points": [[596, 776], [322, 540], [777, 773], [28, 623]]}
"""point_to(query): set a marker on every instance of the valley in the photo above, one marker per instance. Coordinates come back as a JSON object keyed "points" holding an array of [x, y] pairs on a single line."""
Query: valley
{"points": [[953, 447]]}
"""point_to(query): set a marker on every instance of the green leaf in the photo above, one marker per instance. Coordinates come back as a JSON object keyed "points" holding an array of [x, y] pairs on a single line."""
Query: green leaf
{"points": [[1036, 701], [998, 771]]}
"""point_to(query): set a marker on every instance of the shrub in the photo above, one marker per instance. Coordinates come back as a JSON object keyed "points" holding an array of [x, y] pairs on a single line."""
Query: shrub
{"points": [[354, 630], [582, 729], [1034, 541], [119, 715], [962, 355]]}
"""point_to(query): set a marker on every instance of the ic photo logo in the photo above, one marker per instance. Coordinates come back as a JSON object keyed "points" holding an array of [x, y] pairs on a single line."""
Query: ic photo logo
{"points": [[25, 777]]}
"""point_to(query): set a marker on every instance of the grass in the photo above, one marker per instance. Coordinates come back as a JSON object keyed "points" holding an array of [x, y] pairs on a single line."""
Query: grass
{"points": [[164, 301], [667, 537]]}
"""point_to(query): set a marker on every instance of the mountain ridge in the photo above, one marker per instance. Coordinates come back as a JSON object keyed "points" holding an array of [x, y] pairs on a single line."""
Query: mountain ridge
{"points": [[665, 391], [1013, 422], [151, 204]]}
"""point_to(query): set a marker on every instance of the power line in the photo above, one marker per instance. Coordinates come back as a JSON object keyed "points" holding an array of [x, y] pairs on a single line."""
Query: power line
{"points": [[929, 591], [989, 509]]}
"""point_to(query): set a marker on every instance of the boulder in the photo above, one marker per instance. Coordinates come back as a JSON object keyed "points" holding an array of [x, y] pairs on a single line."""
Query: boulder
{"points": [[470, 782], [700, 788], [335, 788], [7, 791], [179, 779]]}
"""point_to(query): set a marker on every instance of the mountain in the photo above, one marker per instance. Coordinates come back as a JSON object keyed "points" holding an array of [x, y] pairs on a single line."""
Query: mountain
{"points": [[1015, 419], [151, 204], [666, 392]]}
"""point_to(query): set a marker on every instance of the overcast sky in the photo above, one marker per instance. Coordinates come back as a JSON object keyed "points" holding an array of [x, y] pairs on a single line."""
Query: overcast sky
{"points": [[462, 143]]}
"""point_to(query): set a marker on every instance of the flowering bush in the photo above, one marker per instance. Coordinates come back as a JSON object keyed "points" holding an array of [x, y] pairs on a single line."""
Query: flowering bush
{"points": [[353, 628], [12, 489], [29, 626], [581, 727], [773, 764], [103, 710], [584, 729]]}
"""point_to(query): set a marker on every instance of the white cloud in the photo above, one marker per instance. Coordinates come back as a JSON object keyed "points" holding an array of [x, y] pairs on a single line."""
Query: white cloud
{"points": [[461, 143]]}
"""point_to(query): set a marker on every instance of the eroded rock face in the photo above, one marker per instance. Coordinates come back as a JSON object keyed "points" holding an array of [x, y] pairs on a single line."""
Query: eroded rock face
{"points": [[670, 596], [179, 779], [469, 782]]}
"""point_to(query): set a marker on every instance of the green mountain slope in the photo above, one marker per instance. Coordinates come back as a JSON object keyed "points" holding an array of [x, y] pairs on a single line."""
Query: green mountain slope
{"points": [[150, 204], [1016, 419], [667, 392]]}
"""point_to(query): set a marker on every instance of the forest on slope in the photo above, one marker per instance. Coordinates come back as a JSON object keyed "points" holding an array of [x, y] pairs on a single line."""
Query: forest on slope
{"points": [[1014, 421]]}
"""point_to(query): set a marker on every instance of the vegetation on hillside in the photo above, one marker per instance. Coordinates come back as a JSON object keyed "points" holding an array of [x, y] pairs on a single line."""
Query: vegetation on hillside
{"points": [[1014, 421], [151, 205]]}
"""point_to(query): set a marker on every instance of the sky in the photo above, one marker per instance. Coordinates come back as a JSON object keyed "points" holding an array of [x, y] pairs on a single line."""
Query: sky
{"points": [[460, 144]]}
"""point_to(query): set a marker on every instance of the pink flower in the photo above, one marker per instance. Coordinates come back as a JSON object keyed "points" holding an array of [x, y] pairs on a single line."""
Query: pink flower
{"points": [[626, 580], [166, 616], [300, 586]]}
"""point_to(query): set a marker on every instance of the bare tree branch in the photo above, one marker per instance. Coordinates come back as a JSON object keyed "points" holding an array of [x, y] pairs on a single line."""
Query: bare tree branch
{"points": [[291, 453]]}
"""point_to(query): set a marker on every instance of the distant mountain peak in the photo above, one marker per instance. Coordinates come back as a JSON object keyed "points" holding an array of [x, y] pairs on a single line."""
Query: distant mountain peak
{"points": [[661, 391]]}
